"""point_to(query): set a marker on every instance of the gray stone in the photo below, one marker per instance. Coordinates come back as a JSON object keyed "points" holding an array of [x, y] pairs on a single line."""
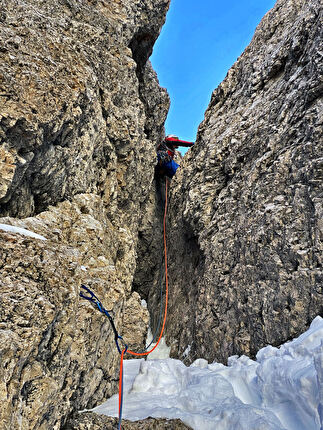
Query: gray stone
{"points": [[81, 112], [90, 421], [245, 231], [74, 103]]}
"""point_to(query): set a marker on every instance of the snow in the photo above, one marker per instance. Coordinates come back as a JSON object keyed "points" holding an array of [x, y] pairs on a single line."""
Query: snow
{"points": [[162, 350], [187, 351], [281, 390], [23, 231], [144, 304], [270, 207]]}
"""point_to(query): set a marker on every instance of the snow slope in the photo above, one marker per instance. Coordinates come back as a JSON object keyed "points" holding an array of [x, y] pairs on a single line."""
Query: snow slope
{"points": [[282, 389]]}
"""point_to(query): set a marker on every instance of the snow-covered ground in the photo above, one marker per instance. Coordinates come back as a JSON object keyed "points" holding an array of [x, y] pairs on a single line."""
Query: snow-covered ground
{"points": [[281, 390]]}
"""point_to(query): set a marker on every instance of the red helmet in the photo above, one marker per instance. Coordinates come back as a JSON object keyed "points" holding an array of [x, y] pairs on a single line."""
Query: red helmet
{"points": [[172, 140]]}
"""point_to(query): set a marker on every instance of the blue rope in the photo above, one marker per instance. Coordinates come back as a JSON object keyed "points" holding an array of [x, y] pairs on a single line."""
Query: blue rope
{"points": [[93, 299]]}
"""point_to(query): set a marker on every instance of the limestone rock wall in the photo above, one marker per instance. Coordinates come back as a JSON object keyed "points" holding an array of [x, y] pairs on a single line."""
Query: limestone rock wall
{"points": [[72, 107], [91, 421], [245, 232], [80, 114]]}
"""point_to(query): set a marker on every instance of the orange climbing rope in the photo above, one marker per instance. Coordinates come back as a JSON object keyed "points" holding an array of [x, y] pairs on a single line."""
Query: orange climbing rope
{"points": [[125, 350]]}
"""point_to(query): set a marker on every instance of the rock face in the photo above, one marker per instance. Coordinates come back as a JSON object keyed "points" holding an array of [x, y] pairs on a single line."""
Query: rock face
{"points": [[73, 111], [91, 421], [81, 112], [246, 207]]}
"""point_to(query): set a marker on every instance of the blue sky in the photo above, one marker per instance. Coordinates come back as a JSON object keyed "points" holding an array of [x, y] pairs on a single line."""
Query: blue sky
{"points": [[199, 42]]}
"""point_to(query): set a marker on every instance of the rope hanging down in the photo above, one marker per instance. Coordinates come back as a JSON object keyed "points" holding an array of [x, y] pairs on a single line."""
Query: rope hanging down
{"points": [[92, 298], [164, 321]]}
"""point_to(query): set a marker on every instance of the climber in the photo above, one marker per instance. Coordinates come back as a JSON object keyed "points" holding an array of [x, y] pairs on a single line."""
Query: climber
{"points": [[165, 155]]}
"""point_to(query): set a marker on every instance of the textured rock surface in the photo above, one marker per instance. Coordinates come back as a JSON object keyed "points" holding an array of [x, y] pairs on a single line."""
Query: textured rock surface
{"points": [[58, 352], [89, 421], [73, 111], [246, 207], [80, 115], [150, 243]]}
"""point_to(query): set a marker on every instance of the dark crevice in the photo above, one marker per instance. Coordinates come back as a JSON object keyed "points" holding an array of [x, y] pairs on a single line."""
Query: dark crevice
{"points": [[141, 46], [150, 250]]}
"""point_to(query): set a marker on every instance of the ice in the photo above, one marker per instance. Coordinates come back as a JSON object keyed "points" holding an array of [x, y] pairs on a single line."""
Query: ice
{"points": [[161, 351]]}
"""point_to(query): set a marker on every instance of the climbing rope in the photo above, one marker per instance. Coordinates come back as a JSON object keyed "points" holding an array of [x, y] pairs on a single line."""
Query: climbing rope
{"points": [[92, 298], [164, 321], [166, 282], [121, 388], [160, 311]]}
